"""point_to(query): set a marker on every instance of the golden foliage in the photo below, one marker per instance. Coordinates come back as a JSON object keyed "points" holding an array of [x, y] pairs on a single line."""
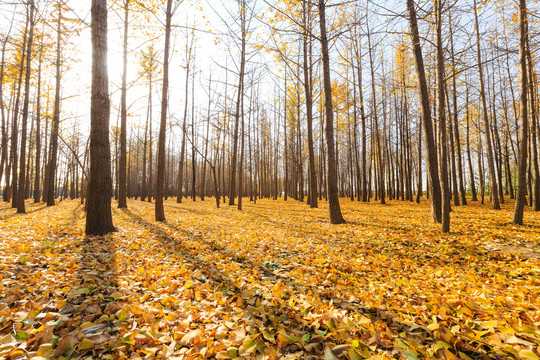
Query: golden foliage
{"points": [[271, 281]]}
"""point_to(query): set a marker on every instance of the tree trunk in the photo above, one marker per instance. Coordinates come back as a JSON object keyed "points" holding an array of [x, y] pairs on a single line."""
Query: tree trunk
{"points": [[122, 176], [333, 201], [443, 165], [523, 111], [309, 107], [432, 161], [179, 193], [56, 116], [491, 163], [4, 140], [14, 128], [99, 215], [232, 176], [160, 178], [22, 173], [37, 175]]}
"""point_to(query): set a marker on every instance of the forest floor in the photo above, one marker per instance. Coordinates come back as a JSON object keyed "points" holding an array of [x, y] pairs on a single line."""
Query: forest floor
{"points": [[272, 281]]}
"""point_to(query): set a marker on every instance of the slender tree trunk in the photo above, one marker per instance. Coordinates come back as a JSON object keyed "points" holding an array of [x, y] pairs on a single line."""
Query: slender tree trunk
{"points": [[160, 178], [37, 176], [150, 142], [533, 120], [241, 164], [455, 119], [420, 190], [432, 161], [523, 111], [56, 116], [333, 201], [193, 155], [122, 176], [203, 179], [379, 150], [285, 146], [184, 129], [4, 139], [452, 153], [14, 128], [309, 106], [232, 176], [491, 163], [22, 173]]}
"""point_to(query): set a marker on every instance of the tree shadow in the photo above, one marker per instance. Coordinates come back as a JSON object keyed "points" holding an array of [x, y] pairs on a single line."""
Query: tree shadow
{"points": [[28, 212], [91, 296], [279, 312]]}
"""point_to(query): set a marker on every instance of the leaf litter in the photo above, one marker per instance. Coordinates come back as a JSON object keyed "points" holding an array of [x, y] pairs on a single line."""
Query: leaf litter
{"points": [[272, 281]]}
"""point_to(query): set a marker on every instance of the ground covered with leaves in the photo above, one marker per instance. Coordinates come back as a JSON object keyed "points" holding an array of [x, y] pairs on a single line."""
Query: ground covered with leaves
{"points": [[272, 281]]}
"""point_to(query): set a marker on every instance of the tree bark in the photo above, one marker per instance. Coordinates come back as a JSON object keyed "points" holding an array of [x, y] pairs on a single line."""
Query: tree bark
{"points": [[232, 176], [56, 116], [37, 176], [122, 176], [22, 173], [160, 178], [99, 215], [432, 161], [492, 174], [334, 209], [523, 111]]}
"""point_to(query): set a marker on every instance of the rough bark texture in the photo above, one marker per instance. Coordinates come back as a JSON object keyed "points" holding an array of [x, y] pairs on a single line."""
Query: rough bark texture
{"points": [[522, 170], [51, 172], [122, 176], [443, 162], [309, 111], [14, 127], [334, 209], [491, 163], [232, 176], [160, 178], [22, 174], [99, 216], [432, 161]]}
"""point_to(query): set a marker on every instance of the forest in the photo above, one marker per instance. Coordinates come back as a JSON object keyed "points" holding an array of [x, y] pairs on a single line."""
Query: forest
{"points": [[269, 179]]}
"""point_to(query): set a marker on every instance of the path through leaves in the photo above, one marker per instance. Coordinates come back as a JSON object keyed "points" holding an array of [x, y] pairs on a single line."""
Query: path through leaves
{"points": [[273, 281]]}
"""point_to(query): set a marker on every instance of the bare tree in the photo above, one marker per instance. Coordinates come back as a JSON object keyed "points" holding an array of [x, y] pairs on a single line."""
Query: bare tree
{"points": [[523, 111], [122, 176], [334, 209], [160, 178], [22, 173], [99, 215], [431, 149]]}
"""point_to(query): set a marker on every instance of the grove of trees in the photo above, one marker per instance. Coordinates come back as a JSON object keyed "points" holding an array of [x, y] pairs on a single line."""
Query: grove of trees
{"points": [[289, 99]]}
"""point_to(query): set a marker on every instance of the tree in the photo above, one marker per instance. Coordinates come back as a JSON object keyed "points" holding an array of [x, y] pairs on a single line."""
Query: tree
{"points": [[122, 176], [99, 215], [149, 65], [492, 175], [160, 180], [431, 149], [334, 209], [441, 85], [523, 111], [307, 70], [239, 99], [14, 127], [189, 51], [51, 167], [22, 174], [37, 176], [4, 139]]}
